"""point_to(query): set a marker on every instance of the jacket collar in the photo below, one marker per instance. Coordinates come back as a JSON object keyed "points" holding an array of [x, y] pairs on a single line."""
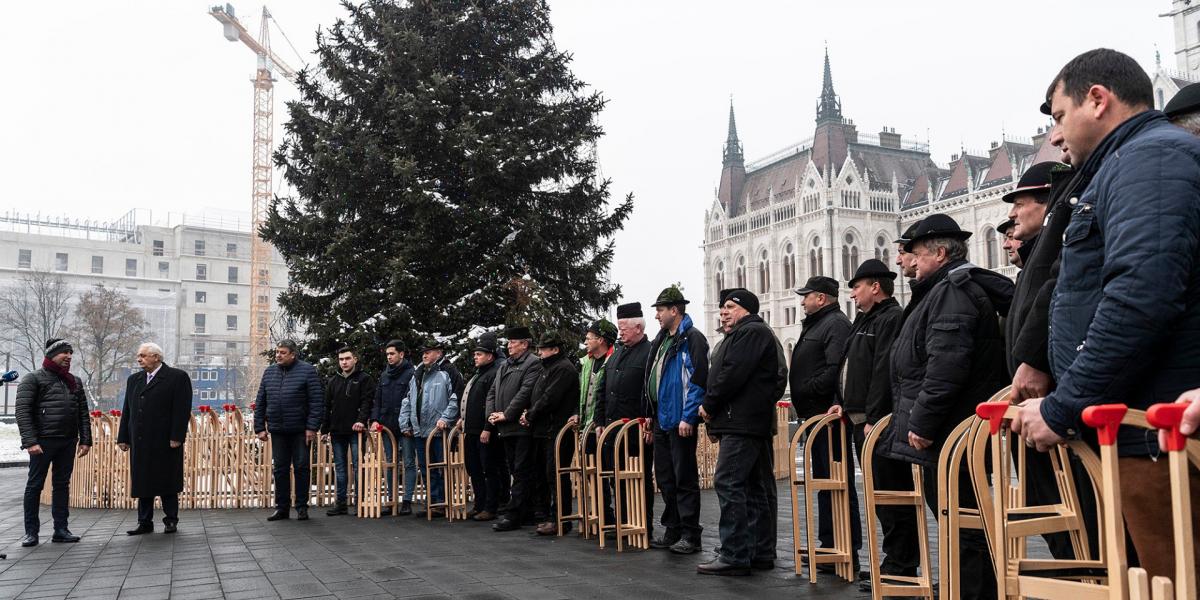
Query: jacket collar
{"points": [[1026, 249], [818, 316], [684, 325], [746, 320], [553, 359], [1117, 138]]}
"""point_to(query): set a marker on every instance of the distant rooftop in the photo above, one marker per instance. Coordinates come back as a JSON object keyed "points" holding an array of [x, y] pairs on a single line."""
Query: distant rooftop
{"points": [[122, 229]]}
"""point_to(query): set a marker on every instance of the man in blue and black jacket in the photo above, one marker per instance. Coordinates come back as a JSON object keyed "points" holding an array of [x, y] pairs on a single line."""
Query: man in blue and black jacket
{"points": [[290, 406], [1125, 312], [675, 379]]}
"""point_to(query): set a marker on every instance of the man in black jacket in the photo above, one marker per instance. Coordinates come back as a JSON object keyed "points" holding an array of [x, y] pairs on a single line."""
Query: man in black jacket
{"points": [[866, 397], [154, 424], [555, 400], [507, 401], [947, 358], [348, 399], [52, 416], [389, 397], [485, 454], [746, 379], [621, 395], [816, 360]]}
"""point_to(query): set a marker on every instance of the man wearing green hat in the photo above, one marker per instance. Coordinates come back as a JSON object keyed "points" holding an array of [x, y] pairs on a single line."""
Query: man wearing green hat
{"points": [[675, 387]]}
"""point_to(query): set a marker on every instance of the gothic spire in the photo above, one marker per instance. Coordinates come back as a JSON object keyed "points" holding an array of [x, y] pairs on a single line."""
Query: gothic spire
{"points": [[829, 107], [733, 147]]}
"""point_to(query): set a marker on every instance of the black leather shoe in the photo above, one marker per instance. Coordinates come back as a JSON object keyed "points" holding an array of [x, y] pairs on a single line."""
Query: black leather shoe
{"points": [[338, 509], [280, 514], [64, 536], [302, 513], [685, 547], [662, 543], [405, 509], [385, 511], [765, 564], [505, 524], [719, 567], [170, 527], [29, 540], [142, 528]]}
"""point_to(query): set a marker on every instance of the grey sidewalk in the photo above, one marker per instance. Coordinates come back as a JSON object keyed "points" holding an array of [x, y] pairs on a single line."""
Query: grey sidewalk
{"points": [[237, 554]]}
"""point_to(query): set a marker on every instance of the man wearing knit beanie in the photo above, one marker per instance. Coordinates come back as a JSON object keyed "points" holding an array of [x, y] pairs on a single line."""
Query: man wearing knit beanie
{"points": [[52, 415]]}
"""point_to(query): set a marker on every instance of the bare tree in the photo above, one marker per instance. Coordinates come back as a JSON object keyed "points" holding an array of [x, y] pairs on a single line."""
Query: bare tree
{"points": [[234, 381], [108, 329], [33, 310]]}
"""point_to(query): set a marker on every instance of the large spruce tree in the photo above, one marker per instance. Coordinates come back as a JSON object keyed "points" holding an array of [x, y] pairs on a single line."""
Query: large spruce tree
{"points": [[442, 159]]}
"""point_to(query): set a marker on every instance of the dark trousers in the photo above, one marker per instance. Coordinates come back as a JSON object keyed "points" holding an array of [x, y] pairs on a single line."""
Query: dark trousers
{"points": [[745, 484], [170, 504], [566, 453], [976, 579], [59, 453], [1041, 488], [488, 471], [820, 469], [901, 545], [289, 451], [345, 458], [606, 462], [524, 502], [679, 483]]}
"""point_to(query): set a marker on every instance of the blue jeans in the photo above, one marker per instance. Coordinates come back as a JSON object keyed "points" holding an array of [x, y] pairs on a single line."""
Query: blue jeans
{"points": [[414, 461], [341, 442]]}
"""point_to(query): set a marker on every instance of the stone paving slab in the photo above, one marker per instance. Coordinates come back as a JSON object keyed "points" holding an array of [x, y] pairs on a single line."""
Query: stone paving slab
{"points": [[234, 554]]}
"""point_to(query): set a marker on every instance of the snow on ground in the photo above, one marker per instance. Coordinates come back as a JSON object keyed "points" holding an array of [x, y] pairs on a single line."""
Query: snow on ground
{"points": [[10, 444]]}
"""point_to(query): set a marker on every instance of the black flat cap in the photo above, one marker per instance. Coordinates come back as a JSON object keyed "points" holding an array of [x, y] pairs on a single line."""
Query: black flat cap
{"points": [[1185, 102], [1005, 226], [633, 310], [936, 225], [551, 339], [820, 283], [907, 235], [1036, 180], [873, 268]]}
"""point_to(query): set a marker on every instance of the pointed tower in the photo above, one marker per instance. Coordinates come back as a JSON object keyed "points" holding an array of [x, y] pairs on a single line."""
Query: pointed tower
{"points": [[834, 133], [733, 169], [829, 106]]}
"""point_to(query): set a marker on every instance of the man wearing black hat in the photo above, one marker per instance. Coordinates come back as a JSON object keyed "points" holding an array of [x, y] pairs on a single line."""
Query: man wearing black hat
{"points": [[947, 358], [816, 359], [747, 377], [903, 258], [1184, 108], [675, 381], [485, 459], [555, 400], [431, 407], [866, 397], [52, 416], [507, 401], [389, 397], [621, 395], [1011, 245]]}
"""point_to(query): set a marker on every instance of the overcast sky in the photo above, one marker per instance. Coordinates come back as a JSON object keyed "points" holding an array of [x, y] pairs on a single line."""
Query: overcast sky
{"points": [[112, 106]]}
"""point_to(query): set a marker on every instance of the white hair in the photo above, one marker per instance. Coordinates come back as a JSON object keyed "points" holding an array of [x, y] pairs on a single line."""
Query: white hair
{"points": [[633, 322], [153, 348], [1189, 121]]}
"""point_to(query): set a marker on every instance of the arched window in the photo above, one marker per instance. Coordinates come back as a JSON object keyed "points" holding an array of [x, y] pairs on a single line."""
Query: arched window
{"points": [[990, 247], [739, 275], [764, 273], [719, 278], [789, 267], [849, 257], [816, 258]]}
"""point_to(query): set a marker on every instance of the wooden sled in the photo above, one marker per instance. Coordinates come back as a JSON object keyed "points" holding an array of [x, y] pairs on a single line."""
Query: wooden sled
{"points": [[629, 485], [576, 474], [805, 487]]}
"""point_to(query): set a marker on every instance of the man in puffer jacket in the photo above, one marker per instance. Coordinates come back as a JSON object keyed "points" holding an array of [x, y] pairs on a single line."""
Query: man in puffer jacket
{"points": [[948, 358], [52, 416], [431, 406], [290, 407], [675, 378]]}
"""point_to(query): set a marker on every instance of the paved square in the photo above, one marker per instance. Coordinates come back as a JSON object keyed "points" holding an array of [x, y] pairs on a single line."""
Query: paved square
{"points": [[237, 554]]}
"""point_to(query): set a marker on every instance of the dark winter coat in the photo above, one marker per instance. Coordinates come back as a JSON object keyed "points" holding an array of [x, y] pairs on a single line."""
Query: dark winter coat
{"points": [[475, 403], [348, 400], [682, 375], [866, 384], [624, 382], [456, 379], [289, 400], [47, 408], [390, 393], [153, 416], [555, 396], [948, 356], [747, 376], [816, 359], [511, 393], [1125, 316]]}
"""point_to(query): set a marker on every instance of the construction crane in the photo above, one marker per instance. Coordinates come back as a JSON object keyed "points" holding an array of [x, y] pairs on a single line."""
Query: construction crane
{"points": [[260, 250]]}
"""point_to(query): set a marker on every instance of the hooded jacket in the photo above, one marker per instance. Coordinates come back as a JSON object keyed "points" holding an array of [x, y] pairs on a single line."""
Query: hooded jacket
{"points": [[681, 376], [1125, 314], [948, 356], [390, 394], [433, 390], [747, 377], [816, 360], [866, 385]]}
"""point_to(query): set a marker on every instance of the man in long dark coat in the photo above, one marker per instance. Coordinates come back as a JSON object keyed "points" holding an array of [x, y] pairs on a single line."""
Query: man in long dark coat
{"points": [[154, 424]]}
